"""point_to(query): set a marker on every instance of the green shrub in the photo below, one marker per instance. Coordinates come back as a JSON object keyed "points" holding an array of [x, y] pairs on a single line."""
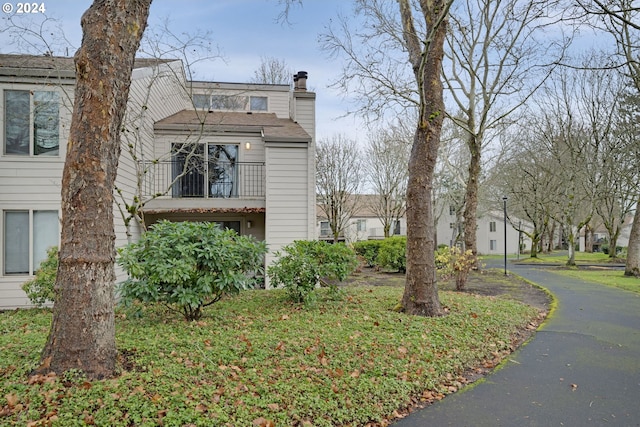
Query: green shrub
{"points": [[40, 289], [302, 265], [189, 265], [393, 253], [368, 249]]}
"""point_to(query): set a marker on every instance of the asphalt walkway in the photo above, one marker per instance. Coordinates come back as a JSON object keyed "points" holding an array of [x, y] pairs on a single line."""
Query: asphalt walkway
{"points": [[582, 368]]}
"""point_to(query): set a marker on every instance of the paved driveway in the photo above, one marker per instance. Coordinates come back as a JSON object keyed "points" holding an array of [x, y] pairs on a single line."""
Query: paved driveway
{"points": [[581, 369]]}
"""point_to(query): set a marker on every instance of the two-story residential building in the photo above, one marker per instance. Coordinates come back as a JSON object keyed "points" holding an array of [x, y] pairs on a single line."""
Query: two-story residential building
{"points": [[241, 155]]}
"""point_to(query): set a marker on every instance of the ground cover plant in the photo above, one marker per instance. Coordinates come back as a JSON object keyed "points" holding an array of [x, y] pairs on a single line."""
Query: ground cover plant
{"points": [[261, 360]]}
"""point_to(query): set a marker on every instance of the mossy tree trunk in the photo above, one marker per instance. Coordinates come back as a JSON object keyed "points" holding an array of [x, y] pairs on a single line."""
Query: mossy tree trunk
{"points": [[425, 55]]}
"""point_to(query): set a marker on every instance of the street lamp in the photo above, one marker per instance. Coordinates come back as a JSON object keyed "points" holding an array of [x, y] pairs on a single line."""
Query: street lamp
{"points": [[504, 204]]}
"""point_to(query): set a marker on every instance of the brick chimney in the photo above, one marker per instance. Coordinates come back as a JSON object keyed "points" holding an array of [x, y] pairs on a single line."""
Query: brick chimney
{"points": [[300, 81]]}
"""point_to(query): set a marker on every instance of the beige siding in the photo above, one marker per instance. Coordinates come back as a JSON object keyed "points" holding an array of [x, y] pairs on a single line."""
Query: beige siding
{"points": [[287, 197], [29, 183], [155, 93]]}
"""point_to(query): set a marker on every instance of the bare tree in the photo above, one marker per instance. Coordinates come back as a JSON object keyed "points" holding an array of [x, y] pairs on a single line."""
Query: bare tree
{"points": [[493, 65], [386, 82], [619, 18], [388, 158], [83, 329], [528, 179], [339, 181], [272, 71], [613, 170], [565, 135]]}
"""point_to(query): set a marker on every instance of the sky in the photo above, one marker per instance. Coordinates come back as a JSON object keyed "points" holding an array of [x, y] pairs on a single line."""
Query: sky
{"points": [[243, 30]]}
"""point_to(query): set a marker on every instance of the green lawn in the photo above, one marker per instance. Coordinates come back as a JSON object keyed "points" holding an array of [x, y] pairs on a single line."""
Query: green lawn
{"points": [[561, 257], [615, 278], [256, 359]]}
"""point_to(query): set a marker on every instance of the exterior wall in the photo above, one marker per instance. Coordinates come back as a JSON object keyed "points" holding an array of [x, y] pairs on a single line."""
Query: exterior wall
{"points": [[155, 93], [303, 106], [287, 196], [250, 224], [29, 183]]}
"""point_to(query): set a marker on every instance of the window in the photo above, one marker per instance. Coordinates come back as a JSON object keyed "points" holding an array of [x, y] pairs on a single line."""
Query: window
{"points": [[324, 228], [493, 245], [492, 226], [231, 225], [396, 227], [452, 225], [231, 102], [27, 236], [361, 225], [202, 101], [31, 122], [258, 103], [452, 210], [228, 102], [200, 173]]}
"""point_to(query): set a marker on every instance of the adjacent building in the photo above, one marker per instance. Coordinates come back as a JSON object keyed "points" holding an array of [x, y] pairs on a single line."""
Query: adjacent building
{"points": [[241, 155]]}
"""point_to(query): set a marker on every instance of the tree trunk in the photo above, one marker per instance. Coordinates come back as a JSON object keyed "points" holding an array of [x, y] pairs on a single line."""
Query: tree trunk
{"points": [[82, 334], [471, 197], [571, 243], [421, 290], [588, 239], [536, 238], [632, 267]]}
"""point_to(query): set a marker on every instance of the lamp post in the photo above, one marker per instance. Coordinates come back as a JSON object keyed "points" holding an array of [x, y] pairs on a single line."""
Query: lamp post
{"points": [[504, 204]]}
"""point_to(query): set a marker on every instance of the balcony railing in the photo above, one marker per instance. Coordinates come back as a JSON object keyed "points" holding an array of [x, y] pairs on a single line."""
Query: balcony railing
{"points": [[199, 179]]}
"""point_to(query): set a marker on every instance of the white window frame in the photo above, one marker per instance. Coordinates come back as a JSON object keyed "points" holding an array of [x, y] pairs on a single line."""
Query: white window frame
{"points": [[32, 116], [32, 261]]}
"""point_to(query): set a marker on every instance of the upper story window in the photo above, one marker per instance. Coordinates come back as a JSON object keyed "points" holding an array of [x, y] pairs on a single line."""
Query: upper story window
{"points": [[31, 123], [258, 103], [231, 102], [492, 226]]}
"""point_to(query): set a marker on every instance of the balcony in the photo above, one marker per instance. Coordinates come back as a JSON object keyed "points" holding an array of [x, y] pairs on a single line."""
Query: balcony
{"points": [[199, 179]]}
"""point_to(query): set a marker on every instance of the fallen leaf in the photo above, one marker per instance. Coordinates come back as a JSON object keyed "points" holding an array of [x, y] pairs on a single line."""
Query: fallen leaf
{"points": [[574, 387], [12, 399], [263, 422]]}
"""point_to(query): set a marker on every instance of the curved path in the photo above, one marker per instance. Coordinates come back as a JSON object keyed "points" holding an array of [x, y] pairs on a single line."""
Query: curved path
{"points": [[582, 368]]}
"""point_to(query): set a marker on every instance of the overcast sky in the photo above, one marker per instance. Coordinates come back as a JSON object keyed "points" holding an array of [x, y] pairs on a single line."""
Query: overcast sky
{"points": [[243, 30]]}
